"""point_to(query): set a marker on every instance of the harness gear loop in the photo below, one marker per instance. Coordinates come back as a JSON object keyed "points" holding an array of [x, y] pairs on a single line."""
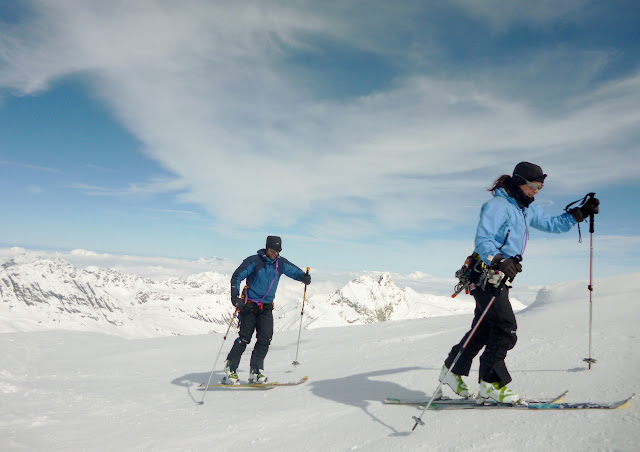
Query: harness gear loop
{"points": [[468, 274]]}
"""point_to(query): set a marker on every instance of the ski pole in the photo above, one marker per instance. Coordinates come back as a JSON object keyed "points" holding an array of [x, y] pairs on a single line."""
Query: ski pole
{"points": [[590, 360], [466, 342], [218, 356], [304, 296], [582, 202]]}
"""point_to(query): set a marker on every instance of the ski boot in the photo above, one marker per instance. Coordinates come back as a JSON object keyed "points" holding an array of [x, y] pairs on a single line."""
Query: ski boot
{"points": [[455, 382], [231, 377], [255, 376], [497, 392]]}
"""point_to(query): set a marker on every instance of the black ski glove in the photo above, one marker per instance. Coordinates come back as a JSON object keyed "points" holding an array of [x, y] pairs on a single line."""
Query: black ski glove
{"points": [[306, 278], [510, 267], [237, 302], [592, 206]]}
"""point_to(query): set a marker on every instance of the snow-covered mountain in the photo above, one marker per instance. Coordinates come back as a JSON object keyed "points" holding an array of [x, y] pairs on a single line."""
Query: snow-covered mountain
{"points": [[42, 293], [51, 293], [370, 299]]}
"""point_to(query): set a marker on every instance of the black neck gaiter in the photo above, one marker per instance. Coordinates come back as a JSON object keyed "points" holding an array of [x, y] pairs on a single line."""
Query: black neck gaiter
{"points": [[517, 194]]}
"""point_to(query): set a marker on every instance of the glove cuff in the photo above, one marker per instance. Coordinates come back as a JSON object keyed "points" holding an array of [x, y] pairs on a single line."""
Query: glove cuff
{"points": [[496, 261], [577, 214]]}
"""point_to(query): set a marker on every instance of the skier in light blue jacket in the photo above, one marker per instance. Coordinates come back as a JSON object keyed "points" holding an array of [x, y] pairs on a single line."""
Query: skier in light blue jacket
{"points": [[501, 239]]}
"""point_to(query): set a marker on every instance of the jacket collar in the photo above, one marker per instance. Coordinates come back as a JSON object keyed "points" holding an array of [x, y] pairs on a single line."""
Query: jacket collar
{"points": [[263, 254], [504, 194]]}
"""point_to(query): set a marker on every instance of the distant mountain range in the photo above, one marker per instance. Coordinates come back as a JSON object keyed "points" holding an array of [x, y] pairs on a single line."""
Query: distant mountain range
{"points": [[41, 293]]}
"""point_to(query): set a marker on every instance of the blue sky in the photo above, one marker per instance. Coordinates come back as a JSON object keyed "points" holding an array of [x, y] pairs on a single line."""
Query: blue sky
{"points": [[365, 137]]}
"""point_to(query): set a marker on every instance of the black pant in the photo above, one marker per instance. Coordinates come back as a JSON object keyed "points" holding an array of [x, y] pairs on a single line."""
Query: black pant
{"points": [[252, 318], [497, 333]]}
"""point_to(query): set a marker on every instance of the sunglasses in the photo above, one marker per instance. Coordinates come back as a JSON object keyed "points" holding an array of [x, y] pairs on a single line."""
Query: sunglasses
{"points": [[532, 185]]}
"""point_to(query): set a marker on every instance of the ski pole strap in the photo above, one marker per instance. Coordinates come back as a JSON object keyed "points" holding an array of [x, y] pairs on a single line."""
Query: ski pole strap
{"points": [[582, 202]]}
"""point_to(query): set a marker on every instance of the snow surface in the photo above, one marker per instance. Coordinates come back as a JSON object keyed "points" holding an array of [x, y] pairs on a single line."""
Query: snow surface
{"points": [[80, 390]]}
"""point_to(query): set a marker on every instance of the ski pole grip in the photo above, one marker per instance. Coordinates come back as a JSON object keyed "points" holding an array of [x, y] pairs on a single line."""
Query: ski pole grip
{"points": [[517, 258], [591, 216]]}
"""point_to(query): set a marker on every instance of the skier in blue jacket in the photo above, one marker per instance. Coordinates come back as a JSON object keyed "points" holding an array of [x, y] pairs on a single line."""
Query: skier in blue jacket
{"points": [[262, 272], [501, 238]]}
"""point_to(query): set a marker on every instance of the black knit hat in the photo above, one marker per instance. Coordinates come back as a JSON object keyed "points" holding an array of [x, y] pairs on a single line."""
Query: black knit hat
{"points": [[526, 171], [274, 242]]}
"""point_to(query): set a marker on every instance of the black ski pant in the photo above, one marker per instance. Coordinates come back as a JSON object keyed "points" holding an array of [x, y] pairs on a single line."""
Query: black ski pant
{"points": [[496, 333], [252, 318]]}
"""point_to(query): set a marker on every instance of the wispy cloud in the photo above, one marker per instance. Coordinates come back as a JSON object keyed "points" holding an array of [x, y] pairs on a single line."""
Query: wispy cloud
{"points": [[174, 211], [29, 166], [211, 89], [154, 187]]}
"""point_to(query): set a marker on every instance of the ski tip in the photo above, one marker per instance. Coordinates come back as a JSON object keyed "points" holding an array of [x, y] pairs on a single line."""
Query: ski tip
{"points": [[626, 401], [302, 380], [561, 396]]}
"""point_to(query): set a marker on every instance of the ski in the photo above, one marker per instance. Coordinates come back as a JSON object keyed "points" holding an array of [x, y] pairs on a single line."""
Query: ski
{"points": [[461, 402], [291, 383], [538, 405], [579, 405], [241, 386], [263, 386]]}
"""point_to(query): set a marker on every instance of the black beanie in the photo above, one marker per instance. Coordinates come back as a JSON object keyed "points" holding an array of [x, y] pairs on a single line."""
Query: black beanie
{"points": [[274, 242], [526, 171]]}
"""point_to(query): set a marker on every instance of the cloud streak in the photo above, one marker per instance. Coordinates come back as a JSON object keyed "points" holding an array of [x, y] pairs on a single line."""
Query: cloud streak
{"points": [[155, 186]]}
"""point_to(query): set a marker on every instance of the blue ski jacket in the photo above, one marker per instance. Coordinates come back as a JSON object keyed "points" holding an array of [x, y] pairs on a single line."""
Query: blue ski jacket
{"points": [[504, 226], [262, 275]]}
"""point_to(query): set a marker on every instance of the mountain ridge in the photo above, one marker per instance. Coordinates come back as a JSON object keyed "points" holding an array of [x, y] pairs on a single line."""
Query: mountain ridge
{"points": [[50, 293]]}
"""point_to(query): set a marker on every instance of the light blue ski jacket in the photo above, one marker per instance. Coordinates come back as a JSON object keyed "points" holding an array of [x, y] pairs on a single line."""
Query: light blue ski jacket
{"points": [[504, 226]]}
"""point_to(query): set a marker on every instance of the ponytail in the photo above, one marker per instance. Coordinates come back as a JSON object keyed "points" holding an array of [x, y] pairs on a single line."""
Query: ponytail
{"points": [[500, 182]]}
